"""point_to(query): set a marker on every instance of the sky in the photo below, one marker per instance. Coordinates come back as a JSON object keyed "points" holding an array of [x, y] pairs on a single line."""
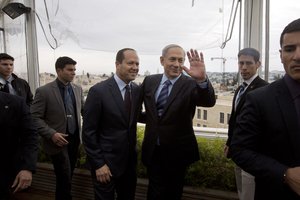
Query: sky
{"points": [[92, 31]]}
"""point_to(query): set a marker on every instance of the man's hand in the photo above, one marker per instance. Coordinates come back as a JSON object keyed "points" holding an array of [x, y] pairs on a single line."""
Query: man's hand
{"points": [[197, 66], [226, 149], [292, 178], [22, 180], [59, 139], [103, 174]]}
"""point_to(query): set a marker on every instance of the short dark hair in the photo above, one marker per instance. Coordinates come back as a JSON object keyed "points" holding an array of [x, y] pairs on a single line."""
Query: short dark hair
{"points": [[120, 55], [5, 56], [250, 52], [61, 62], [294, 26]]}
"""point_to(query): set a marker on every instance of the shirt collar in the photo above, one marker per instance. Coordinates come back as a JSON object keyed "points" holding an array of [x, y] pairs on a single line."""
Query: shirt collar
{"points": [[121, 84], [294, 86], [249, 81], [164, 78], [3, 81]]}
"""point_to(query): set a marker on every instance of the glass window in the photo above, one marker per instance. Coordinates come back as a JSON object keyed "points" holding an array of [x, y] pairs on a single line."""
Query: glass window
{"points": [[221, 117], [205, 114]]}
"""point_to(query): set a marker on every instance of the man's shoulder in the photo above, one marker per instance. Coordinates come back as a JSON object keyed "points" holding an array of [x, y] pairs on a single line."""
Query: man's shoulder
{"points": [[267, 90], [47, 86], [153, 77], [19, 80]]}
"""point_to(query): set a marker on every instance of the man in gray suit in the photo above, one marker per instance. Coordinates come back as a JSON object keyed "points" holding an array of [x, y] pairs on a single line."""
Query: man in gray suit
{"points": [[56, 112]]}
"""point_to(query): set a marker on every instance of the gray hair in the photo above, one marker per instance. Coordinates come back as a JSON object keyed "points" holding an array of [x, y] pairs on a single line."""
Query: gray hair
{"points": [[170, 46]]}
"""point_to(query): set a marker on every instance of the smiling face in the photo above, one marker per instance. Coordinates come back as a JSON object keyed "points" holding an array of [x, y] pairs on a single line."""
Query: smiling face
{"points": [[173, 61], [128, 69], [290, 54]]}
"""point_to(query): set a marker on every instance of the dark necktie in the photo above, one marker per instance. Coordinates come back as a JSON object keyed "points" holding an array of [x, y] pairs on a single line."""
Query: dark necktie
{"points": [[162, 97], [6, 87], [240, 93], [127, 100], [71, 121]]}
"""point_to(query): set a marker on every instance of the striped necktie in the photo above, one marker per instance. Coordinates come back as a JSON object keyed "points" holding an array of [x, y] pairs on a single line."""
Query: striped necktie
{"points": [[240, 93], [162, 97]]}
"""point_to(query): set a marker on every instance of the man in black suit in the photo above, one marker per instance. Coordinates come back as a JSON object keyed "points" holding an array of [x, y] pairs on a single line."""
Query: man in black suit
{"points": [[266, 140], [10, 82], [18, 145], [170, 100], [248, 62], [109, 130]]}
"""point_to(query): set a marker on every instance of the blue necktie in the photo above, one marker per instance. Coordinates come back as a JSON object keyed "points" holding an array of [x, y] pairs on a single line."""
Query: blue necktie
{"points": [[162, 97], [71, 121], [240, 93]]}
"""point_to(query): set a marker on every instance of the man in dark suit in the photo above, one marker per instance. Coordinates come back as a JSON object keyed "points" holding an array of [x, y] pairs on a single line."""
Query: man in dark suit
{"points": [[10, 82], [56, 111], [248, 62], [170, 100], [18, 145], [109, 130], [266, 140]]}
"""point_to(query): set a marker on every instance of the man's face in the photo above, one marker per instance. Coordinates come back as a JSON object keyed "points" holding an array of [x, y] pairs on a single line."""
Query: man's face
{"points": [[66, 74], [6, 68], [247, 66], [173, 62], [128, 69], [290, 54]]}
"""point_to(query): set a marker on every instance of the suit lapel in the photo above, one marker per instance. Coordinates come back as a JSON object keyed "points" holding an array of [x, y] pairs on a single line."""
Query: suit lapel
{"points": [[253, 85], [117, 96], [176, 88], [77, 95], [57, 95], [151, 93], [289, 115]]}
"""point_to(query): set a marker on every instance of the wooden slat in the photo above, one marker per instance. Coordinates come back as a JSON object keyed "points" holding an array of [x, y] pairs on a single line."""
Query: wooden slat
{"points": [[82, 188]]}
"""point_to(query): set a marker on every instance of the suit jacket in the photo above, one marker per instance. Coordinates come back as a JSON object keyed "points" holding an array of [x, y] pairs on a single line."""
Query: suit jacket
{"points": [[48, 112], [266, 140], [109, 136], [175, 126], [256, 83], [19, 139], [22, 89]]}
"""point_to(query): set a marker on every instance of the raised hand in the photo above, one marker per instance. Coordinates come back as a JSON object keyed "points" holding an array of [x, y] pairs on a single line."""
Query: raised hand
{"points": [[197, 66]]}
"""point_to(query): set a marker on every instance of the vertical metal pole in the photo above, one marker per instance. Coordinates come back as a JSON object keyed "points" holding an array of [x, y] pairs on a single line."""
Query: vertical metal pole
{"points": [[267, 42], [32, 47], [253, 25]]}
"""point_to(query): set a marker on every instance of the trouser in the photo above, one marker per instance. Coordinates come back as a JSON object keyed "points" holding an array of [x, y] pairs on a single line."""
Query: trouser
{"points": [[64, 163], [123, 186], [245, 184], [165, 181]]}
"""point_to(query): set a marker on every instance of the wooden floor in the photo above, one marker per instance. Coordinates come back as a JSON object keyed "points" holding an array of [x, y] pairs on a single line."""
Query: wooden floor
{"points": [[43, 188]]}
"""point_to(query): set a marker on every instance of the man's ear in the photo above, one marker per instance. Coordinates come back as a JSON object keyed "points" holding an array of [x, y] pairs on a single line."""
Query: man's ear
{"points": [[162, 60]]}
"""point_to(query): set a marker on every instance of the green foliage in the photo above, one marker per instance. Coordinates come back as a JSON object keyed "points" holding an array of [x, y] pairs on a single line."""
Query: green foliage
{"points": [[213, 170]]}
